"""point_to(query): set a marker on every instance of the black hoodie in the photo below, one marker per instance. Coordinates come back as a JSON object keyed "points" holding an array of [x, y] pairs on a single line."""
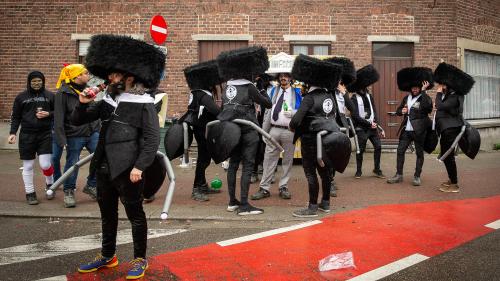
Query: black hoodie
{"points": [[25, 108]]}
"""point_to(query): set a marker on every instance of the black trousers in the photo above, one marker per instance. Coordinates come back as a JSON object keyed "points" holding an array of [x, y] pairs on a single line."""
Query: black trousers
{"points": [[363, 136], [243, 153], [404, 141], [446, 140], [259, 155], [203, 160], [130, 194], [310, 165]]}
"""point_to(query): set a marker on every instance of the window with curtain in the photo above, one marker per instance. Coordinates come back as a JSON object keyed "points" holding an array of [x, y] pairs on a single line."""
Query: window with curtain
{"points": [[83, 45], [317, 49], [483, 101]]}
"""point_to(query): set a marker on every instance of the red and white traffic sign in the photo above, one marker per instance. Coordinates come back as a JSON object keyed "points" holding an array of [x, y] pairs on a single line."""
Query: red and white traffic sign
{"points": [[158, 29]]}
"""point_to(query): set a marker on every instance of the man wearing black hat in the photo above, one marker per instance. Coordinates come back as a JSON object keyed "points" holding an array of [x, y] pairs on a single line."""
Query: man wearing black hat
{"points": [[365, 118], [415, 108], [202, 79], [342, 100], [452, 86], [316, 113], [128, 141], [33, 111], [239, 67]]}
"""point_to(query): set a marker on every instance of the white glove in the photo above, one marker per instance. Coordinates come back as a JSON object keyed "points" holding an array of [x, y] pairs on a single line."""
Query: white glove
{"points": [[287, 114]]}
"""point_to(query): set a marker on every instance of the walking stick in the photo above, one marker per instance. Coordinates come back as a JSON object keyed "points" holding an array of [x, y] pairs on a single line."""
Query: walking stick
{"points": [[319, 148], [171, 187], [356, 143]]}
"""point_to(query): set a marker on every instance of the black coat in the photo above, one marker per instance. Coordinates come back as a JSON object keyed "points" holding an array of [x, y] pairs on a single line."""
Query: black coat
{"points": [[449, 111], [419, 115], [130, 135], [66, 99], [358, 121], [200, 98]]}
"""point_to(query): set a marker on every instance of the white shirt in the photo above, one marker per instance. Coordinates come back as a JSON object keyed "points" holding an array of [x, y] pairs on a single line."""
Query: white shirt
{"points": [[282, 119], [340, 101], [409, 102]]}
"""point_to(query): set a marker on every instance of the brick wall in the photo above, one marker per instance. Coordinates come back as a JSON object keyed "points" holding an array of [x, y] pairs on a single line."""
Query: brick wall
{"points": [[36, 34]]}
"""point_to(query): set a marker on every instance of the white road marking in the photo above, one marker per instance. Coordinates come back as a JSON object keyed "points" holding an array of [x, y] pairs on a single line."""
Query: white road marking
{"points": [[494, 225], [267, 233], [391, 268], [72, 245], [159, 29], [55, 278]]}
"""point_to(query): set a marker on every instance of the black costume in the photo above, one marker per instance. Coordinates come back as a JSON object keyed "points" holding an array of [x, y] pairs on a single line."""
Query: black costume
{"points": [[129, 136], [363, 115], [240, 67], [419, 106], [202, 109], [35, 136], [316, 113], [449, 109]]}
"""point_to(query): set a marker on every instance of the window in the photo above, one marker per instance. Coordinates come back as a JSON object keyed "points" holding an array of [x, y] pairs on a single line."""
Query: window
{"points": [[83, 45], [483, 101], [392, 50], [317, 49]]}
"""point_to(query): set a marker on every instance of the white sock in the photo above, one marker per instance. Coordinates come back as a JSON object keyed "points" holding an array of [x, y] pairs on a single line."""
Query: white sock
{"points": [[45, 161], [28, 176]]}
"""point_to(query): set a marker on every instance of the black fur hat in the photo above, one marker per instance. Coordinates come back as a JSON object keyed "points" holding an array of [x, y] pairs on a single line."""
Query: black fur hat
{"points": [[202, 75], [316, 72], [365, 76], [348, 69], [454, 78], [110, 53], [244, 63], [414, 77]]}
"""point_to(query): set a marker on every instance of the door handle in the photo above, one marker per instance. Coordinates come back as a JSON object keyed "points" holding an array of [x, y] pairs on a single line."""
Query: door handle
{"points": [[392, 124]]}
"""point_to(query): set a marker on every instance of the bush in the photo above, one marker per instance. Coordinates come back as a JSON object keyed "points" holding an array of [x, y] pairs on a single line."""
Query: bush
{"points": [[496, 146]]}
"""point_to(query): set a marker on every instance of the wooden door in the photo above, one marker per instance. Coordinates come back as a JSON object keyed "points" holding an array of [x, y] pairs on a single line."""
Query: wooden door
{"points": [[209, 50], [388, 59]]}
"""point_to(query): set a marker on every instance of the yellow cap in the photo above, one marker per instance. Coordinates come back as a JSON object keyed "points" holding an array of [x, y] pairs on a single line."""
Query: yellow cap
{"points": [[69, 73]]}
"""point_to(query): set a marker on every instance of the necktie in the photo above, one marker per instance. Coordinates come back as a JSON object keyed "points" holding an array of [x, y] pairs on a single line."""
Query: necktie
{"points": [[277, 107]]}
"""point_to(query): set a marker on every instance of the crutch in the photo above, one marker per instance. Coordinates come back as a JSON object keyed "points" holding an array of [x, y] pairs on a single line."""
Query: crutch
{"points": [[453, 145], [68, 173]]}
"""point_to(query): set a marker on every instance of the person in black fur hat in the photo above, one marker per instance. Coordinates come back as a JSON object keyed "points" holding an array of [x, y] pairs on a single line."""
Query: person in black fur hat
{"points": [[239, 67], [202, 79], [128, 140], [342, 100], [452, 85], [364, 117], [415, 108], [316, 113]]}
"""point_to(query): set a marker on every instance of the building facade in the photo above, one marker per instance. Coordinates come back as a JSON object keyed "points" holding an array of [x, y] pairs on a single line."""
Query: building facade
{"points": [[391, 34]]}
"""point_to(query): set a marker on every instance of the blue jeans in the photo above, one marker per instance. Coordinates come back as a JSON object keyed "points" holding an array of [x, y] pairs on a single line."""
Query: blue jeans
{"points": [[74, 147], [57, 152]]}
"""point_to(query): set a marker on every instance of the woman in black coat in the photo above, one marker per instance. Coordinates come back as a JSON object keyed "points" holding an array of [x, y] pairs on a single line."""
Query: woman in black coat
{"points": [[452, 85]]}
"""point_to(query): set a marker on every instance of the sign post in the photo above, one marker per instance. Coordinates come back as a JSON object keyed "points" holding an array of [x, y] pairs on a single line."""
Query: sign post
{"points": [[158, 29]]}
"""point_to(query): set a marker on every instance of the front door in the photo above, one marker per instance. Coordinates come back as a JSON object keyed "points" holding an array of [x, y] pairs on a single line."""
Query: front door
{"points": [[388, 59]]}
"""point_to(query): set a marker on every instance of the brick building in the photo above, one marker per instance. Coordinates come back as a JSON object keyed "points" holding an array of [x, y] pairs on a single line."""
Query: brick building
{"points": [[390, 34]]}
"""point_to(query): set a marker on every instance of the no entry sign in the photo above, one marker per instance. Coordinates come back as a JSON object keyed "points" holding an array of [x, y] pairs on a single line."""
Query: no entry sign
{"points": [[158, 29]]}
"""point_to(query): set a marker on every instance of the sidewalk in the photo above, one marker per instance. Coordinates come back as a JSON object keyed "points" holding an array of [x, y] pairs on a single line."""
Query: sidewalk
{"points": [[478, 178]]}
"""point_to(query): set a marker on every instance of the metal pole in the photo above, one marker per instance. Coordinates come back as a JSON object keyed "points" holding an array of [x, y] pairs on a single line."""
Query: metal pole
{"points": [[356, 143], [185, 160], [319, 148], [210, 124], [68, 173], [259, 130], [171, 187], [453, 145]]}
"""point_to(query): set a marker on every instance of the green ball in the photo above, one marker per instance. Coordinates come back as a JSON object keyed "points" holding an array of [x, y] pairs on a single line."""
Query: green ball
{"points": [[216, 183]]}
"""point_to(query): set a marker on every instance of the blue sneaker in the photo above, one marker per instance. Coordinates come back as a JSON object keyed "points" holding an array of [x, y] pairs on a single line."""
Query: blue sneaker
{"points": [[98, 262], [139, 266]]}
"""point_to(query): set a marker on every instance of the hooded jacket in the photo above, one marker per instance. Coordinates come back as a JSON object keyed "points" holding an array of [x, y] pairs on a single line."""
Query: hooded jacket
{"points": [[26, 104], [66, 99]]}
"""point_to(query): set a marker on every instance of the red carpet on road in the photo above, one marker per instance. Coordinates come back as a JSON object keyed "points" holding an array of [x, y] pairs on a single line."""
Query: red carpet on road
{"points": [[376, 236]]}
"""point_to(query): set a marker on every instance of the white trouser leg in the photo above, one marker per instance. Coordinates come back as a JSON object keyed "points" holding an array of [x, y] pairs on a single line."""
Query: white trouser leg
{"points": [[28, 175], [45, 161]]}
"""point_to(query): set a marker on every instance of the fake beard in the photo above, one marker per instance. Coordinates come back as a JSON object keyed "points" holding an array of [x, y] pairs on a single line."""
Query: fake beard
{"points": [[115, 89]]}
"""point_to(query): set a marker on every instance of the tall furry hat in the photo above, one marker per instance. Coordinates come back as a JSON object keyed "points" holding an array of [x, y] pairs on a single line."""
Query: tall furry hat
{"points": [[244, 63], [454, 78], [202, 75], [316, 72], [114, 53], [348, 69], [414, 77], [365, 76]]}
